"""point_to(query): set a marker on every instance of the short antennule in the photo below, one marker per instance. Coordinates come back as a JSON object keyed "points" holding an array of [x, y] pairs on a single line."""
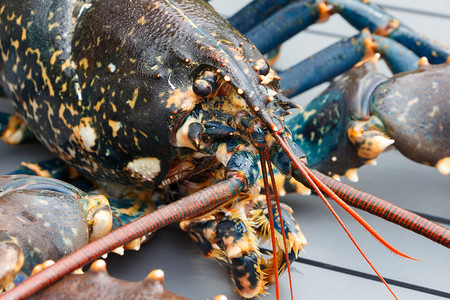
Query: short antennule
{"points": [[264, 116]]}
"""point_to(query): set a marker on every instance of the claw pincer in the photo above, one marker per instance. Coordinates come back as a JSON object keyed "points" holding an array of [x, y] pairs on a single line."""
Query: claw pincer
{"points": [[424, 138], [363, 112]]}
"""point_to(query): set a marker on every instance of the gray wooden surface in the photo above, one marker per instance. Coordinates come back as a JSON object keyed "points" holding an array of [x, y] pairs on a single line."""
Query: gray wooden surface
{"points": [[396, 179]]}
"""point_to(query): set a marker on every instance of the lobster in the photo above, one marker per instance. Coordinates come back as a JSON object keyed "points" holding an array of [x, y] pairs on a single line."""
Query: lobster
{"points": [[230, 110]]}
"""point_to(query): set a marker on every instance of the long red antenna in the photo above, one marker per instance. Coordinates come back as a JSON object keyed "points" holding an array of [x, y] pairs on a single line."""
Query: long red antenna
{"points": [[304, 169], [312, 181], [192, 205], [272, 229], [277, 201], [387, 210], [353, 213]]}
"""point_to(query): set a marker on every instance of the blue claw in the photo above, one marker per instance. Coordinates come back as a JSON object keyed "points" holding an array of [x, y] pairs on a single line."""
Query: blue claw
{"points": [[415, 110], [322, 127]]}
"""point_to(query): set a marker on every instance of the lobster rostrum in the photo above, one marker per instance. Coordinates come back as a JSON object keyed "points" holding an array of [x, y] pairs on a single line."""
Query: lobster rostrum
{"points": [[157, 96]]}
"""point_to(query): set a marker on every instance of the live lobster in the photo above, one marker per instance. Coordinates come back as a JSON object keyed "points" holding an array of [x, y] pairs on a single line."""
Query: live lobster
{"points": [[233, 109]]}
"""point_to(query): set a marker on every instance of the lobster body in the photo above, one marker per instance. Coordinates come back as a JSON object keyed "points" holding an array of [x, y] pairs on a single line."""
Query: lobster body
{"points": [[148, 94], [106, 98], [164, 95]]}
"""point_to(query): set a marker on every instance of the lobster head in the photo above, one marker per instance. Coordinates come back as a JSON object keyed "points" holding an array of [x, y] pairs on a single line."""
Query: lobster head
{"points": [[165, 68]]}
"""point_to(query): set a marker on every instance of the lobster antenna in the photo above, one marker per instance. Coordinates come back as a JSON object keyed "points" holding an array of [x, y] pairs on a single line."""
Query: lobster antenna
{"points": [[189, 206], [304, 170], [272, 229], [389, 211], [354, 214], [277, 201]]}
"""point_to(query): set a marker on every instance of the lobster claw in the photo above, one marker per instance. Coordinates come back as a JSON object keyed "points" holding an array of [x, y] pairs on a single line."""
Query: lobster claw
{"points": [[333, 128], [424, 95], [43, 219]]}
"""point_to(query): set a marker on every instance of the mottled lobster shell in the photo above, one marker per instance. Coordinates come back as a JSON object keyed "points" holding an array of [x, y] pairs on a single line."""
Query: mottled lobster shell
{"points": [[321, 128], [42, 217], [415, 108], [97, 284], [101, 83]]}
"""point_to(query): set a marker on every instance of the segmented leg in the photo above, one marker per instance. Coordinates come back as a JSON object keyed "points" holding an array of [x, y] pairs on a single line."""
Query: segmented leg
{"points": [[255, 12], [291, 17], [361, 14], [231, 234], [392, 39], [13, 130]]}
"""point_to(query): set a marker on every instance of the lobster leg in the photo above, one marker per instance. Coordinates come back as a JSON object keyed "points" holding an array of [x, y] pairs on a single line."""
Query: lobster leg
{"points": [[326, 64], [13, 130], [362, 15], [330, 62], [256, 12], [343, 55], [391, 50], [287, 22], [290, 18]]}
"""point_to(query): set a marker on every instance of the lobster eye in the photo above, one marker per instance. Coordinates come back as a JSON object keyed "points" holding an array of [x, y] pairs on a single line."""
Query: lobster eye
{"points": [[205, 85], [202, 88], [264, 68]]}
